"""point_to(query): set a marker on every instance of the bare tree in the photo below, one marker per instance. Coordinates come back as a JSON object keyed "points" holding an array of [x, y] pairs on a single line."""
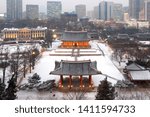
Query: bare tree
{"points": [[75, 95]]}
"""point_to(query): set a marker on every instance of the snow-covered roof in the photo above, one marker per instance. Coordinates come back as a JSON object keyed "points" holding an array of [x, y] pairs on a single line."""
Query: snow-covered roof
{"points": [[10, 29], [123, 36], [75, 36], [39, 28], [145, 42], [75, 68], [32, 29], [143, 35], [134, 66], [140, 75]]}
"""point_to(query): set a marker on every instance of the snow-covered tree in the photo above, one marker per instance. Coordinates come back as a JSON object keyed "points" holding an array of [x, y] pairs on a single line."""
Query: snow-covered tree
{"points": [[34, 79], [105, 91]]}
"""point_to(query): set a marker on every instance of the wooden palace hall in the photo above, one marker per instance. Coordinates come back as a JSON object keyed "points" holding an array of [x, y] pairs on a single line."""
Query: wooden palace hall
{"points": [[75, 74], [75, 39]]}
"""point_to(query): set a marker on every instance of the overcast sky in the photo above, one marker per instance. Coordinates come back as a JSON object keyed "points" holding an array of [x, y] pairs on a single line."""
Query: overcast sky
{"points": [[67, 5]]}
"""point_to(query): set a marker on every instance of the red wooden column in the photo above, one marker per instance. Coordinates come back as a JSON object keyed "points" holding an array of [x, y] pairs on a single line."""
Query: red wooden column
{"points": [[90, 80], [61, 81], [70, 81], [81, 81]]}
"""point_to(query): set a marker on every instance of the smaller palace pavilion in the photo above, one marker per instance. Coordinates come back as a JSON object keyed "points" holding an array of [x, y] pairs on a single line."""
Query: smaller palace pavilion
{"points": [[76, 74], [75, 39]]}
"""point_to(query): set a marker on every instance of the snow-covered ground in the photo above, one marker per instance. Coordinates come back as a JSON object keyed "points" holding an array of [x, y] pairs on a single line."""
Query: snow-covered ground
{"points": [[46, 64], [12, 48]]}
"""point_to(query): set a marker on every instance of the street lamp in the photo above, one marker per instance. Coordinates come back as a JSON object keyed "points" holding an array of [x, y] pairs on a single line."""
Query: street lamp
{"points": [[53, 30], [54, 36], [33, 59]]}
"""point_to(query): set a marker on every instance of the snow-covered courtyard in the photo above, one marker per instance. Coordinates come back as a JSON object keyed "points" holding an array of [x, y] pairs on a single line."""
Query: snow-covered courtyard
{"points": [[99, 52]]}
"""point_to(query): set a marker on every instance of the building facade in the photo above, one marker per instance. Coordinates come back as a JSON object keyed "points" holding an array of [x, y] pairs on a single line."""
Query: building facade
{"points": [[126, 17], [105, 10], [80, 10], [24, 33], [79, 71], [117, 12], [14, 9], [32, 11], [54, 9], [75, 39], [135, 6], [90, 14], [96, 12], [147, 10]]}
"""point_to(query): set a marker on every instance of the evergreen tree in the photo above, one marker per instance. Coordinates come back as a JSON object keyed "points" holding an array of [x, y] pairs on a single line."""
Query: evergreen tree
{"points": [[10, 93], [2, 90], [105, 91]]}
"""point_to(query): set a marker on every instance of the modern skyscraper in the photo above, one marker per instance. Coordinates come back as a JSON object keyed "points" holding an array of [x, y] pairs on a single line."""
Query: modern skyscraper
{"points": [[118, 12], [147, 10], [135, 6], [80, 10], [105, 10], [14, 9], [90, 14], [32, 11], [96, 12], [54, 9]]}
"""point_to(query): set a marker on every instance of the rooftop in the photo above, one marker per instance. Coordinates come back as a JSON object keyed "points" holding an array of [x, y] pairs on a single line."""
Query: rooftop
{"points": [[75, 36], [123, 36], [140, 75], [75, 68], [143, 35], [134, 67], [17, 29]]}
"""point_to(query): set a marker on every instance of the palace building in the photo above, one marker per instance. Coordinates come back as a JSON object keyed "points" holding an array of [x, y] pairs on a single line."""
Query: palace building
{"points": [[24, 33], [75, 39], [75, 73]]}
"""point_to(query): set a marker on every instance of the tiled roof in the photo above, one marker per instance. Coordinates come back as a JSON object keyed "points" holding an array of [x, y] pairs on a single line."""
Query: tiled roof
{"points": [[75, 36], [134, 66], [140, 75], [75, 68]]}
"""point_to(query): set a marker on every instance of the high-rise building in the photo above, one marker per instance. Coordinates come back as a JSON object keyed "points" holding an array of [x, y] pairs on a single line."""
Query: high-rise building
{"points": [[117, 12], [14, 9], [105, 10], [96, 12], [126, 17], [90, 14], [42, 16], [125, 9], [2, 16], [54, 9], [142, 15], [80, 10], [135, 6], [147, 10], [32, 11]]}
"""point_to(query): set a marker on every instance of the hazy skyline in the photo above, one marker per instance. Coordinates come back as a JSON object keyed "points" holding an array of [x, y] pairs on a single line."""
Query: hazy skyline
{"points": [[67, 5]]}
